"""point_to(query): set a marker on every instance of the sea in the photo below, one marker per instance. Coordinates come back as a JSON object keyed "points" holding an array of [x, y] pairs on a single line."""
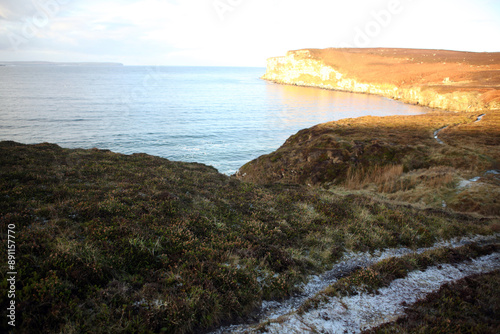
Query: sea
{"points": [[219, 116]]}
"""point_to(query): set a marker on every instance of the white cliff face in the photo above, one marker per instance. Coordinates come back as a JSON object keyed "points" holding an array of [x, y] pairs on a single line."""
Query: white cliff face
{"points": [[301, 69]]}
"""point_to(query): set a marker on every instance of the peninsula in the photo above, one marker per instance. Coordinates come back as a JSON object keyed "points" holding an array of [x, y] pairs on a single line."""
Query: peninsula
{"points": [[49, 63], [427, 159], [448, 80]]}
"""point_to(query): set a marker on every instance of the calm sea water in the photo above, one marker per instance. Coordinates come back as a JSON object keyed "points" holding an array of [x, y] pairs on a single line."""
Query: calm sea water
{"points": [[219, 116]]}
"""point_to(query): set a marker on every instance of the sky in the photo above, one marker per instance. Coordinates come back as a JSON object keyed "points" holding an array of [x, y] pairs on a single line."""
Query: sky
{"points": [[235, 32]]}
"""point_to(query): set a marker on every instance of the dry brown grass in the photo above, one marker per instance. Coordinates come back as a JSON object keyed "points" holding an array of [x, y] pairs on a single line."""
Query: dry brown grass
{"points": [[480, 197], [429, 179], [451, 70], [358, 178]]}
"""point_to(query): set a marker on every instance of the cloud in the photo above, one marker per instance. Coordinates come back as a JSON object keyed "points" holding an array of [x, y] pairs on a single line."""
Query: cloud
{"points": [[191, 32], [14, 9]]}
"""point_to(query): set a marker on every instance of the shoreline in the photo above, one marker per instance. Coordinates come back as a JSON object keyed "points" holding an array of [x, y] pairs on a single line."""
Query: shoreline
{"points": [[361, 93], [387, 156], [345, 70]]}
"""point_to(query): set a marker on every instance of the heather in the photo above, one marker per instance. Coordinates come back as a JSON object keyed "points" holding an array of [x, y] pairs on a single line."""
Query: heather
{"points": [[136, 243]]}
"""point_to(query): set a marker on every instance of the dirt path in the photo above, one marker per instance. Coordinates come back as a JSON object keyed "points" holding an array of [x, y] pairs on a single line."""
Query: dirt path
{"points": [[479, 118], [272, 310], [354, 314], [436, 135], [466, 183]]}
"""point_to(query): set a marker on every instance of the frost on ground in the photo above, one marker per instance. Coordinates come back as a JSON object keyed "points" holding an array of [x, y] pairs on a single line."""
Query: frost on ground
{"points": [[356, 313], [436, 135], [271, 310], [468, 183]]}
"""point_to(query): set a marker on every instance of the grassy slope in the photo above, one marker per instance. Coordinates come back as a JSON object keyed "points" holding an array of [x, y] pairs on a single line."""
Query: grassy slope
{"points": [[112, 243], [395, 156]]}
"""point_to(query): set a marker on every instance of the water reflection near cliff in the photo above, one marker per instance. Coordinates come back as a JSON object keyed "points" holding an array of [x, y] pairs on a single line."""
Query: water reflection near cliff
{"points": [[307, 105]]}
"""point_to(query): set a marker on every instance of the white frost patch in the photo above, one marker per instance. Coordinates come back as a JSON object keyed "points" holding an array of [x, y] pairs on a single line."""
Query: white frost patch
{"points": [[436, 135], [356, 313], [150, 303], [350, 262], [467, 183], [479, 118]]}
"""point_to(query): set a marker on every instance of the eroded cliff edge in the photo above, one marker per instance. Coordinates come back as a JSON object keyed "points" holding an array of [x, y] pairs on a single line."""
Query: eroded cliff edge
{"points": [[448, 80]]}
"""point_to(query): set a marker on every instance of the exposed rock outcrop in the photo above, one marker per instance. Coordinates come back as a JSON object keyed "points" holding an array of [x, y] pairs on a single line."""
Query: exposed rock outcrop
{"points": [[457, 81]]}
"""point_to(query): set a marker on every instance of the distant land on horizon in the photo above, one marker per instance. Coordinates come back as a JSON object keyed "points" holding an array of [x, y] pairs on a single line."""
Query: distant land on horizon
{"points": [[49, 63]]}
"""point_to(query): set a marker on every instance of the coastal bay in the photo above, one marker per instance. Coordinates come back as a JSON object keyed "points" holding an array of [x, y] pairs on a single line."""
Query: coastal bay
{"points": [[113, 242]]}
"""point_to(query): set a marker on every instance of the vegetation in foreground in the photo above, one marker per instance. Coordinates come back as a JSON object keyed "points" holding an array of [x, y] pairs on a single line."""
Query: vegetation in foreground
{"points": [[115, 243], [381, 274], [470, 305]]}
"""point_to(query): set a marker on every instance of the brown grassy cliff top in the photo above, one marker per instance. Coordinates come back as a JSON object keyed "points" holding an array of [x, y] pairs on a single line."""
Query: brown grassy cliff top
{"points": [[446, 71]]}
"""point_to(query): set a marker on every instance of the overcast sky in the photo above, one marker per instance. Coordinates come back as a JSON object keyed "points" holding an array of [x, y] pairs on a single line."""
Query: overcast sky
{"points": [[235, 32]]}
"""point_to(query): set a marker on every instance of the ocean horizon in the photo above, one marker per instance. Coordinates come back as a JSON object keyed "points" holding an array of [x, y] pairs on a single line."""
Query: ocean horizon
{"points": [[219, 116]]}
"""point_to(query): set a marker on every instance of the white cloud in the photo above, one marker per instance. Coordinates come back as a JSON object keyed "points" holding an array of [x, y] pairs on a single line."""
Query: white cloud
{"points": [[191, 32]]}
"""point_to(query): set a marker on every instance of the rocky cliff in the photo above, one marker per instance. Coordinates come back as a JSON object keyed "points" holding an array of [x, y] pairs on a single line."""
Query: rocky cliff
{"points": [[458, 81]]}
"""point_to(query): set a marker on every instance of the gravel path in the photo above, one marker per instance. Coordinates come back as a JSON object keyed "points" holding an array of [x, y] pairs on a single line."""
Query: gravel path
{"points": [[364, 311], [271, 310]]}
